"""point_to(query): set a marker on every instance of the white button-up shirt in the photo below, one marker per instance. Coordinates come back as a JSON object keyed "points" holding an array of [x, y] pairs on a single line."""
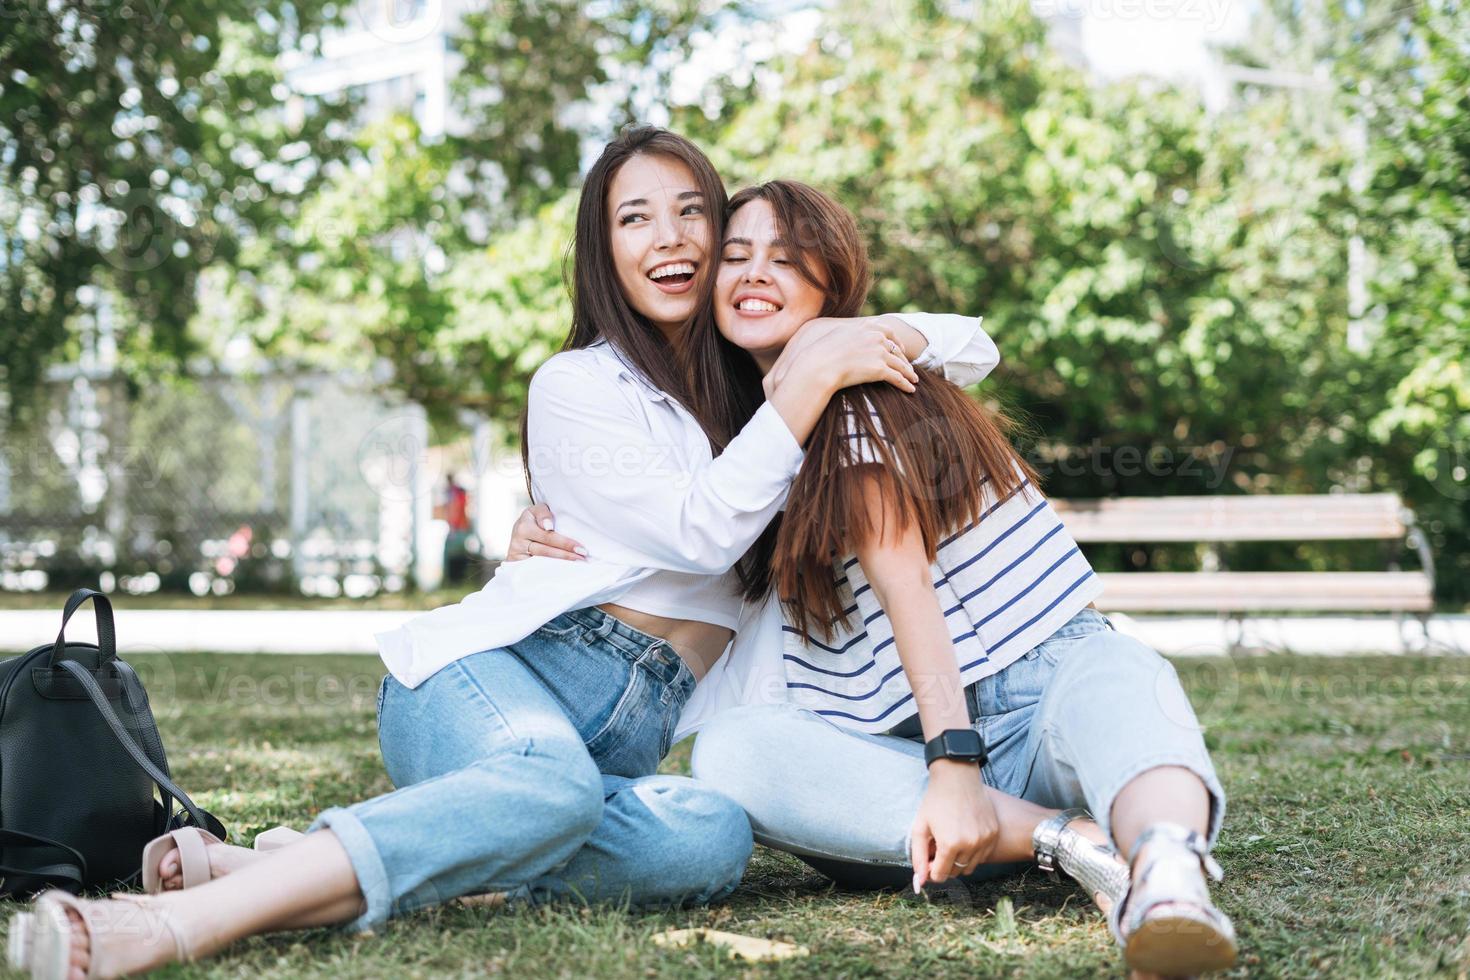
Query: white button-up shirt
{"points": [[629, 474]]}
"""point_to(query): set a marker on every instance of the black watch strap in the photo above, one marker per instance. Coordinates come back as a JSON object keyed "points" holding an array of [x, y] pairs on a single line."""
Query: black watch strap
{"points": [[961, 744]]}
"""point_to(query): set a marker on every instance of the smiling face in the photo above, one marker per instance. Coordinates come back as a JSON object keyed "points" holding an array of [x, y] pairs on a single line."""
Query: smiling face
{"points": [[660, 238], [761, 299]]}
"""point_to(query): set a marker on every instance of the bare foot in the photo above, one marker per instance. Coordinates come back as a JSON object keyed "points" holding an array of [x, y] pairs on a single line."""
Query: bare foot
{"points": [[81, 954], [1089, 829], [223, 858]]}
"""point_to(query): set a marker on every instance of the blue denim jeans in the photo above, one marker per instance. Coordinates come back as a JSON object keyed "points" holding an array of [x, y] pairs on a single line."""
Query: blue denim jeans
{"points": [[1068, 724], [529, 770]]}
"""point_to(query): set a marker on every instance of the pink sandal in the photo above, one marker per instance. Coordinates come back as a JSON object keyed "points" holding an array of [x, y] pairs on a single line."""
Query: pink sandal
{"points": [[193, 847], [40, 940]]}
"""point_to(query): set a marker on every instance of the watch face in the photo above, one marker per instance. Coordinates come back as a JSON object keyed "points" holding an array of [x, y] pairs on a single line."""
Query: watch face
{"points": [[966, 743], [960, 744]]}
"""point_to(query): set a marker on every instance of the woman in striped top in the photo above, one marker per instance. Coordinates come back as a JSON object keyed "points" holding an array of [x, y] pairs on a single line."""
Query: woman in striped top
{"points": [[932, 594], [930, 590]]}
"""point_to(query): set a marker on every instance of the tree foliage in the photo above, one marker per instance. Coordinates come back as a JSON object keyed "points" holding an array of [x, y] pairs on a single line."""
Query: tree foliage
{"points": [[540, 78], [1170, 286], [139, 140], [1415, 212], [383, 265]]}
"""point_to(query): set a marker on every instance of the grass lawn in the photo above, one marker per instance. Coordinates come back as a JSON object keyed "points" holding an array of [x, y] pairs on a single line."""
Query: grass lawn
{"points": [[1346, 844]]}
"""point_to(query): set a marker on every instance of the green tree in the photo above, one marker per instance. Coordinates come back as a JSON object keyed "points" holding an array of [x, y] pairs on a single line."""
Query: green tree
{"points": [[542, 79], [139, 141], [381, 266], [1156, 281], [1415, 213], [361, 276], [1165, 282], [1394, 93], [379, 274]]}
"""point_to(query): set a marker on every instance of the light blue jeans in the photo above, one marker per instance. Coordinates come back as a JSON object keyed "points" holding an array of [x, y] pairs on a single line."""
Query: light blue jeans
{"points": [[1068, 724], [530, 770]]}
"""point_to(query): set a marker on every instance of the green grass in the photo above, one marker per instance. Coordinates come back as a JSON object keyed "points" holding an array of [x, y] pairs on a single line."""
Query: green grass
{"points": [[1346, 842]]}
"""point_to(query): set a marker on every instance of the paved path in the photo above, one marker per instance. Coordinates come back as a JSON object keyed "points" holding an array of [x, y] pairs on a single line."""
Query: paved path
{"points": [[213, 630], [347, 631]]}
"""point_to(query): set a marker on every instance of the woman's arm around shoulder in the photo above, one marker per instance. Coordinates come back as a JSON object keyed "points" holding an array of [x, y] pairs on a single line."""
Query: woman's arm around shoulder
{"points": [[949, 343], [593, 454]]}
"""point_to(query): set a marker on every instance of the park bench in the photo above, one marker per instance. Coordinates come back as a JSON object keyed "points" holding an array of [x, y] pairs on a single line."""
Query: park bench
{"points": [[1216, 520]]}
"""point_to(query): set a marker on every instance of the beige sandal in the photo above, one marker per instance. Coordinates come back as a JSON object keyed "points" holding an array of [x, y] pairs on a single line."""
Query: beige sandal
{"points": [[40, 940], [193, 847]]}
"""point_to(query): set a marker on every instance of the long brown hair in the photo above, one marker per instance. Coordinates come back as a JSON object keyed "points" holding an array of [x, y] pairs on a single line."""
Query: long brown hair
{"points": [[940, 454], [600, 311]]}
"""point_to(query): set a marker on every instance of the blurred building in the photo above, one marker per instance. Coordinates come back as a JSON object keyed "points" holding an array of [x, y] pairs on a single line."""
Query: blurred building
{"points": [[395, 54], [1177, 40], [397, 57]]}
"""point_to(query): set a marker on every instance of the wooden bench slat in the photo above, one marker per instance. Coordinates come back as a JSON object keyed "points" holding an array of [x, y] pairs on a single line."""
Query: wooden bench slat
{"points": [[1284, 517], [1263, 591]]}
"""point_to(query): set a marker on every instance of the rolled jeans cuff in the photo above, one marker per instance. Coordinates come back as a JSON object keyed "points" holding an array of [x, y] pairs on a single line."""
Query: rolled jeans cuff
{"points": [[367, 864], [1184, 760]]}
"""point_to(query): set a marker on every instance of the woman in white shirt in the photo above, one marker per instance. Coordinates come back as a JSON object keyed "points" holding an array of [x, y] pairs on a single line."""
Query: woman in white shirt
{"points": [[952, 637], [523, 726]]}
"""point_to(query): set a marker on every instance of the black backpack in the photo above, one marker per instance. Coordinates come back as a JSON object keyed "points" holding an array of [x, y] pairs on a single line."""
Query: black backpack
{"points": [[80, 756]]}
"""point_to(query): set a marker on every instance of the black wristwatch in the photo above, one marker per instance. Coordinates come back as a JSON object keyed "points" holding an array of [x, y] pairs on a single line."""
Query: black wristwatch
{"points": [[961, 744]]}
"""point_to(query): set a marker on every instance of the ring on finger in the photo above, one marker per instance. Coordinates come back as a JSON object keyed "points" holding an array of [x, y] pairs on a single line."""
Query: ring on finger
{"points": [[892, 347]]}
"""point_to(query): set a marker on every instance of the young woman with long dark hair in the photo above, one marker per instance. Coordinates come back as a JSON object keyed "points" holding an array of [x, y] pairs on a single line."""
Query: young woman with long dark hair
{"points": [[947, 699], [524, 726], [957, 603]]}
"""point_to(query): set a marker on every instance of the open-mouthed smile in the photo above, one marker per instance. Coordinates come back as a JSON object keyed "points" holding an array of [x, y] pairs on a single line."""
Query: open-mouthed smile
{"points": [[673, 277], [752, 304]]}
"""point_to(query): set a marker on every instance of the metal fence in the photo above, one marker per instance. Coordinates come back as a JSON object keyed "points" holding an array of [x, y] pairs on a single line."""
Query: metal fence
{"points": [[268, 482]]}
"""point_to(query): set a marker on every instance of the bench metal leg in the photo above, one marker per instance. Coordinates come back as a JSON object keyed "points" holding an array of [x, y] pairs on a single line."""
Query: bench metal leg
{"points": [[1406, 643], [1234, 633]]}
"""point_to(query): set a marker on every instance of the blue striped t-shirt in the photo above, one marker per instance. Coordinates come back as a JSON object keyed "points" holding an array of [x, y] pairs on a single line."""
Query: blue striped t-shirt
{"points": [[1005, 584]]}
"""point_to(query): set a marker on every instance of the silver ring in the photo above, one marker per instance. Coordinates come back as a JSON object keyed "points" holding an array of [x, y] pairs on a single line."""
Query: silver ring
{"points": [[958, 865], [893, 347]]}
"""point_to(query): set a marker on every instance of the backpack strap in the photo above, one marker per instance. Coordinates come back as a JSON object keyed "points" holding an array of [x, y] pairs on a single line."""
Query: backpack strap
{"points": [[52, 864], [146, 729], [196, 816], [106, 632]]}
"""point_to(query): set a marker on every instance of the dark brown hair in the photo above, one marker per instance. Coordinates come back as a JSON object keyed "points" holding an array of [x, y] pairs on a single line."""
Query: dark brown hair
{"points": [[600, 310], [940, 454]]}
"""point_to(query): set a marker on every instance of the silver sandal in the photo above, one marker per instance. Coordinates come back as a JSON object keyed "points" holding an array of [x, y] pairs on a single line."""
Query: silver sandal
{"points": [[1098, 869], [1165, 921]]}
